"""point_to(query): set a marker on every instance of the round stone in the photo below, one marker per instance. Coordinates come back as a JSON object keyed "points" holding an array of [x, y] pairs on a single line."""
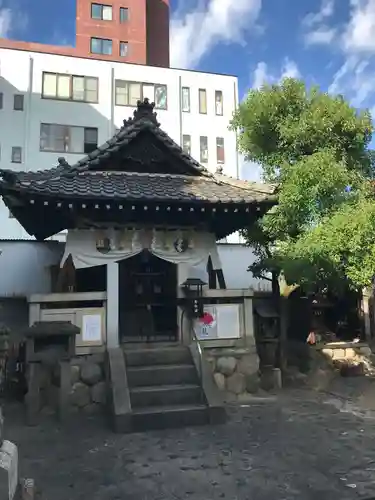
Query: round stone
{"points": [[226, 365], [99, 393], [236, 383], [91, 373], [80, 395], [220, 381]]}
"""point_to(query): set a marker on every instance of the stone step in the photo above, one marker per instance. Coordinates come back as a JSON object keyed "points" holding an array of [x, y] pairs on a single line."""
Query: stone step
{"points": [[158, 356], [166, 417], [164, 395], [154, 375]]}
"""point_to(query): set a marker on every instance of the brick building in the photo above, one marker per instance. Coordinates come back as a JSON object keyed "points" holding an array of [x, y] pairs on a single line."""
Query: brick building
{"points": [[132, 31]]}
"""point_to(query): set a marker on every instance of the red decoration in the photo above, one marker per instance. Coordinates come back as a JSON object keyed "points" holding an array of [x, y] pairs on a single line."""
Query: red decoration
{"points": [[207, 318]]}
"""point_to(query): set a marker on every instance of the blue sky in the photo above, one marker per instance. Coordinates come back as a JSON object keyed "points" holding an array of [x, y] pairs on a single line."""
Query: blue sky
{"points": [[328, 42]]}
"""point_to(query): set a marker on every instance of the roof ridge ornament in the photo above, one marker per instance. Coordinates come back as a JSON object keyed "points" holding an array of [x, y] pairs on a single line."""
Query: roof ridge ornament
{"points": [[145, 110]]}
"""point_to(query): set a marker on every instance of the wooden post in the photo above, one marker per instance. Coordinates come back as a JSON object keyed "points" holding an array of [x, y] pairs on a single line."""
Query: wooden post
{"points": [[284, 323], [32, 397], [64, 390]]}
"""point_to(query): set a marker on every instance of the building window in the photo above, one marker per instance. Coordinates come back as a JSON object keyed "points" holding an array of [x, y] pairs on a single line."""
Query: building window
{"points": [[101, 46], [185, 94], [1, 100], [186, 144], [18, 102], [101, 12], [220, 156], [70, 88], [124, 47], [129, 93], [218, 102], [124, 14], [16, 154], [204, 149], [68, 139], [161, 96], [202, 101], [90, 139]]}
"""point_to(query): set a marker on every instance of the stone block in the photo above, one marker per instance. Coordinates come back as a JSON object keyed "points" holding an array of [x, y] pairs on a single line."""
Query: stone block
{"points": [[80, 395], [328, 353], [350, 353], [226, 365], [271, 379], [338, 353], [99, 393], [252, 383], [91, 373], [220, 381], [365, 351], [248, 364], [8, 471], [236, 383]]}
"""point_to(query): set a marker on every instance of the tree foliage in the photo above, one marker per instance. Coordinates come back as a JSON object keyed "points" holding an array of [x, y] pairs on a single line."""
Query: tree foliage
{"points": [[316, 148]]}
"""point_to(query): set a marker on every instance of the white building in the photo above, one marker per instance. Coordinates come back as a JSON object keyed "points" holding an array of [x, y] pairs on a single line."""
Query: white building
{"points": [[53, 105]]}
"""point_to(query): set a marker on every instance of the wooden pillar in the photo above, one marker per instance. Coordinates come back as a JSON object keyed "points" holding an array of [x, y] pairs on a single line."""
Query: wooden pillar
{"points": [[66, 280]]}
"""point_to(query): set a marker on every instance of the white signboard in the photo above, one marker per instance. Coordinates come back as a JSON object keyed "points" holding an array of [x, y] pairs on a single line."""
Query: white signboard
{"points": [[228, 321], [220, 321], [92, 328]]}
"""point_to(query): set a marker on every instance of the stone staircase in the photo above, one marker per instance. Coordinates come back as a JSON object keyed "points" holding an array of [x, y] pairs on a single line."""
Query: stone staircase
{"points": [[160, 387]]}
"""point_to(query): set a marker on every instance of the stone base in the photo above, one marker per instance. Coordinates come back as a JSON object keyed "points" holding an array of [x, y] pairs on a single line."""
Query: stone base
{"points": [[8, 471], [235, 371], [270, 379], [84, 387]]}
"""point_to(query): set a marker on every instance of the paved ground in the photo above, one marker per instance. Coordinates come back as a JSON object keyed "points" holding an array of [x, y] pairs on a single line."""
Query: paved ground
{"points": [[300, 445]]}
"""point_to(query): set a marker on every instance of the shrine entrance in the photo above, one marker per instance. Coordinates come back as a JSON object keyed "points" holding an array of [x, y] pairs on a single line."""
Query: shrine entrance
{"points": [[147, 299]]}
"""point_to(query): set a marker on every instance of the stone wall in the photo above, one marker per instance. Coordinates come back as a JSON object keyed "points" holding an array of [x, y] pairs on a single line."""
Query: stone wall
{"points": [[88, 386], [236, 372]]}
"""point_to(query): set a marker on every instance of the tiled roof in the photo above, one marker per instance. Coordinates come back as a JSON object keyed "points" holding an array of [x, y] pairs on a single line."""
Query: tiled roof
{"points": [[139, 186], [92, 177]]}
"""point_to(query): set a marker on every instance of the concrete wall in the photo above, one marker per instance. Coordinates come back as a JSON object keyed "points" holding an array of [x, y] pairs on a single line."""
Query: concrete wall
{"points": [[24, 267], [21, 73]]}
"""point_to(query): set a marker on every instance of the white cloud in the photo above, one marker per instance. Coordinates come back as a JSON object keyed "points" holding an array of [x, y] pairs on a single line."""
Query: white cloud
{"points": [[5, 21], [316, 30], [195, 32], [320, 36], [325, 12], [262, 74], [356, 76], [359, 35], [12, 20], [355, 79]]}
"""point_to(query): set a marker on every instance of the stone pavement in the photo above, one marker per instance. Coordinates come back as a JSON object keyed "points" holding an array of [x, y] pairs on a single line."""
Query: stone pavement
{"points": [[298, 445]]}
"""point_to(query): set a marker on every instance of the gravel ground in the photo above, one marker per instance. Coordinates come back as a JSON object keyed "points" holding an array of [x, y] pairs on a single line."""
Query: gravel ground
{"points": [[299, 445]]}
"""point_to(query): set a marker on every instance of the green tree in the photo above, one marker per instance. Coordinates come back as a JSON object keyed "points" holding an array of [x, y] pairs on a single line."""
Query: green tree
{"points": [[316, 148]]}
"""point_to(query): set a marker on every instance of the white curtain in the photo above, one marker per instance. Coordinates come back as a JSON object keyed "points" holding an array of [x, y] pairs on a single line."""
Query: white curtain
{"points": [[94, 247]]}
